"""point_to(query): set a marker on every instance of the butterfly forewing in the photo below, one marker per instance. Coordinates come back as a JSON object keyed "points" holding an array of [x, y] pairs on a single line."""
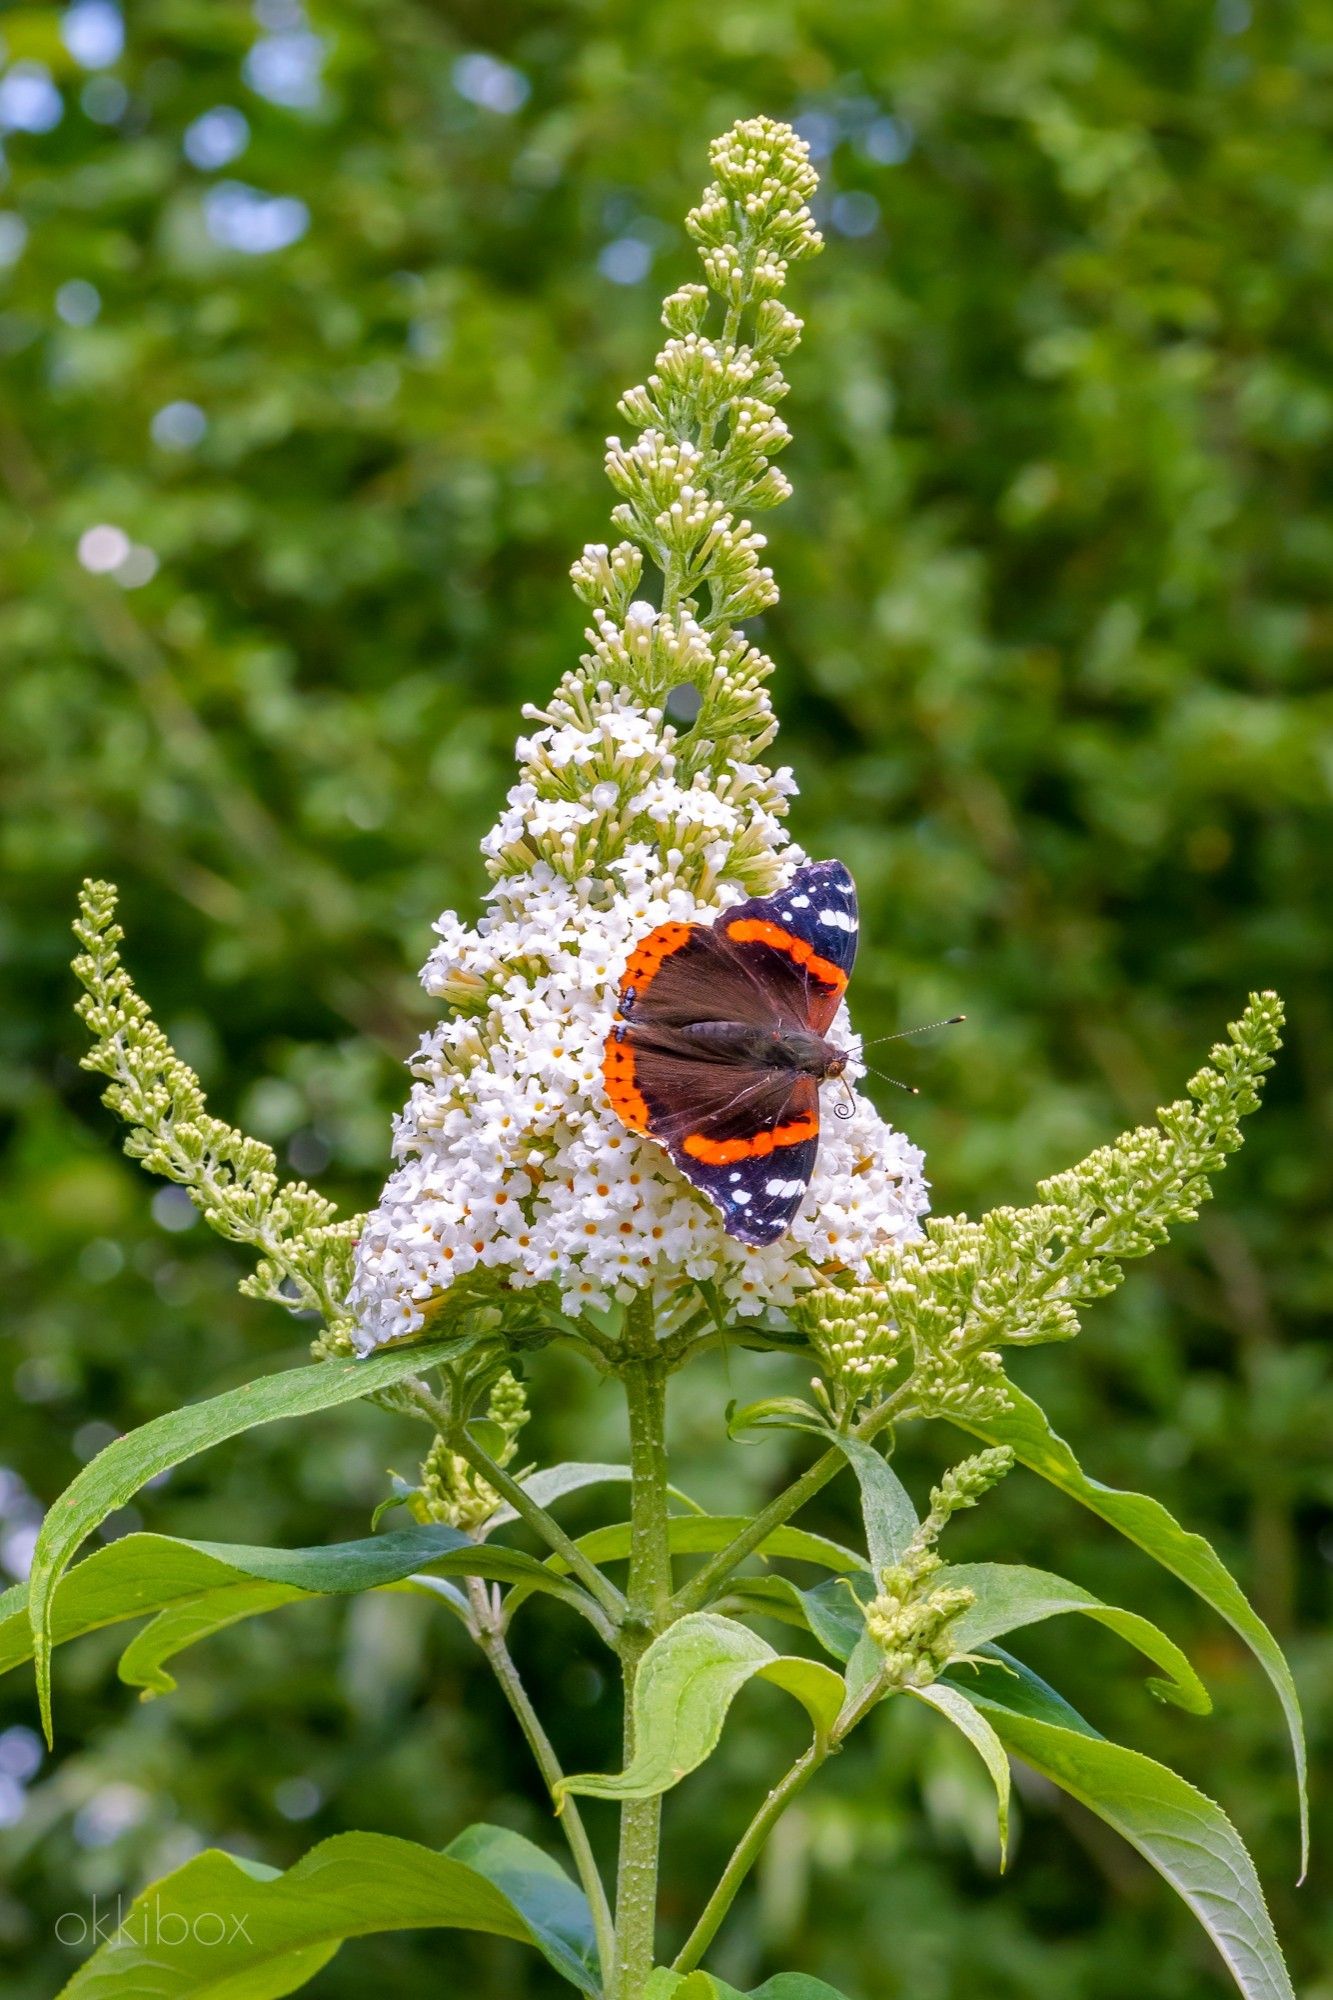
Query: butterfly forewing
{"points": [[800, 944]]}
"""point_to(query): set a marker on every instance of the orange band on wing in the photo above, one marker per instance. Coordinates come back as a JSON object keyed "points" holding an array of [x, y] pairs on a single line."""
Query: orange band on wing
{"points": [[754, 930], [622, 1092], [646, 958], [725, 1152]]}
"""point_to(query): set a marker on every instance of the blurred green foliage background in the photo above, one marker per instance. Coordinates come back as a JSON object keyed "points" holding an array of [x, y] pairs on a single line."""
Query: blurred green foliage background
{"points": [[312, 323]]}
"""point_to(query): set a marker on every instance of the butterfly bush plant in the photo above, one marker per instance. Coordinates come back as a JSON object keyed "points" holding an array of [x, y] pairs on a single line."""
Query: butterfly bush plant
{"points": [[583, 1166]]}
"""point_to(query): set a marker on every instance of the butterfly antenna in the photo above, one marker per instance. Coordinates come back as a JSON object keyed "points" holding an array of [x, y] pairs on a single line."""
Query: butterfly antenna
{"points": [[901, 1034], [897, 1081]]}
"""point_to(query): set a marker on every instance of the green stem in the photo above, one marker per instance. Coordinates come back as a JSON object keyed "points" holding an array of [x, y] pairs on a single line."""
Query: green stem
{"points": [[692, 1596], [492, 1643], [746, 1853], [648, 1611], [751, 1843], [598, 1586], [704, 1584]]}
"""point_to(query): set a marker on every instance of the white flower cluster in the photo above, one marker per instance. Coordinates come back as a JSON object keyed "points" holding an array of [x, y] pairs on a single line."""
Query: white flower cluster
{"points": [[512, 1160], [514, 1169]]}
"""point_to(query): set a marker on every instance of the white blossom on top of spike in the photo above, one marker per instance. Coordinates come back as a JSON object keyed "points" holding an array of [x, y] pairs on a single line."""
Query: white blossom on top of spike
{"points": [[514, 1172]]}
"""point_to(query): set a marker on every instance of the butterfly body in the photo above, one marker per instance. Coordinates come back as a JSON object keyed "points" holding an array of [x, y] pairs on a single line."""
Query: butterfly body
{"points": [[720, 1044]]}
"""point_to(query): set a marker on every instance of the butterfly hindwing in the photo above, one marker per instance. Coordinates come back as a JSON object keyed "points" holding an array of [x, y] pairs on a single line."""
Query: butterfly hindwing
{"points": [[746, 1137]]}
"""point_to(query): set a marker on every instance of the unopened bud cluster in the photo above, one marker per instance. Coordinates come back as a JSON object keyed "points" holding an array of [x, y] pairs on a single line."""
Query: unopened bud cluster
{"points": [[451, 1490], [859, 1347], [912, 1618]]}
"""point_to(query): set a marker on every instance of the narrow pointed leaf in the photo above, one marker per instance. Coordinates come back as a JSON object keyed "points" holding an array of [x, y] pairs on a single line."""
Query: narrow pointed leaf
{"points": [[819, 1690], [687, 1681], [703, 1535], [247, 1932], [554, 1481], [774, 1413], [1009, 1596], [143, 1662], [795, 1986], [201, 1586], [1014, 1686], [117, 1473], [969, 1720], [832, 1611], [555, 1909], [1024, 1427], [1188, 1839], [890, 1518]]}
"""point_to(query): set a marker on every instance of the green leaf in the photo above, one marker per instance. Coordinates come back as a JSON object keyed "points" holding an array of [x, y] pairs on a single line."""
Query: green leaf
{"points": [[1024, 1427], [142, 1574], [555, 1909], [795, 1986], [832, 1611], [1014, 1685], [704, 1534], [687, 1681], [665, 1985], [142, 1664], [236, 1930], [774, 1413], [890, 1518], [818, 1689], [554, 1481], [117, 1474], [1009, 1596], [1188, 1839], [950, 1702]]}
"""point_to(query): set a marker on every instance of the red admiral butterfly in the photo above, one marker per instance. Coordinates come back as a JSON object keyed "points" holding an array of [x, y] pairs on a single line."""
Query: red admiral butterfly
{"points": [[718, 1050]]}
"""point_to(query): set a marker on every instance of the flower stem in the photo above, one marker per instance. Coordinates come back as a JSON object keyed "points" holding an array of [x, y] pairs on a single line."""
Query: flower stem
{"points": [[598, 1586], [648, 1610], [751, 1843], [704, 1584], [696, 1593], [746, 1853], [492, 1642]]}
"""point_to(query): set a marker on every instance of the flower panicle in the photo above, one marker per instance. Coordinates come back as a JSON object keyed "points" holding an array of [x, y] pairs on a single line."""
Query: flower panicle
{"points": [[641, 798], [936, 1310], [451, 1490], [305, 1251]]}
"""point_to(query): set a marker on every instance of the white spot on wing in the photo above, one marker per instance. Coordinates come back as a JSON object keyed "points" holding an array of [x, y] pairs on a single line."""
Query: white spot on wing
{"points": [[838, 920], [784, 1189], [800, 902], [739, 1196]]}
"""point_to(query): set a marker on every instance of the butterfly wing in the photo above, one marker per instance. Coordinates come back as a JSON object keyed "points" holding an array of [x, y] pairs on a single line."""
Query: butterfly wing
{"points": [[746, 1137], [800, 945], [681, 974], [746, 1134], [676, 977]]}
